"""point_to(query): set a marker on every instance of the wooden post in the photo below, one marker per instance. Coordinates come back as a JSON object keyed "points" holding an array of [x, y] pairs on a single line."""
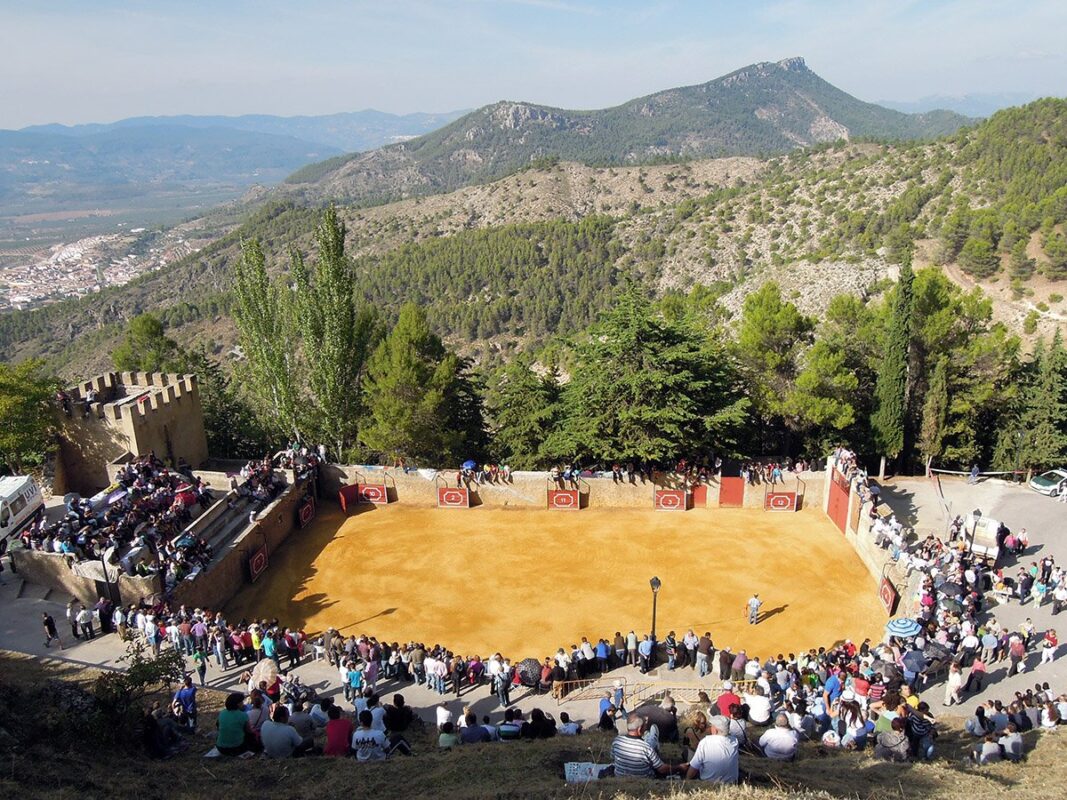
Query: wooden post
{"points": [[881, 469]]}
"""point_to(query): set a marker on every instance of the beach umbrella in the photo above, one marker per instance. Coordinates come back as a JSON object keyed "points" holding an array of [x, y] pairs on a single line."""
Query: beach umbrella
{"points": [[951, 589], [529, 671], [952, 604], [903, 627], [935, 650], [914, 661], [469, 464]]}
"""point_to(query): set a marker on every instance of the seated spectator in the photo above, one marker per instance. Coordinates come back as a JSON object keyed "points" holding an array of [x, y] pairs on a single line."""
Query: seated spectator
{"points": [[447, 739], [1011, 743], [473, 733], [510, 730], [988, 752], [892, 745], [780, 742], [978, 725], [607, 719], [302, 721], [339, 732], [280, 739], [368, 744], [566, 727], [234, 731], [759, 707], [716, 757], [540, 726], [693, 733], [633, 757]]}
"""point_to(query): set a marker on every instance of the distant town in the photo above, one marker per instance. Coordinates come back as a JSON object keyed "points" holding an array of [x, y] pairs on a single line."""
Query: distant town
{"points": [[36, 276]]}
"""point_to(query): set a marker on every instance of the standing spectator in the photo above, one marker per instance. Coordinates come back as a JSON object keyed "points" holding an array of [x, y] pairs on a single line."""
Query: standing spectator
{"points": [[186, 698], [1048, 646], [72, 618], [50, 632], [753, 606]]}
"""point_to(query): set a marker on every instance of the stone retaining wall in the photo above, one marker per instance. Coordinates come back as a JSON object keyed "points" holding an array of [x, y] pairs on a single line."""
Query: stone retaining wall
{"points": [[529, 489], [229, 572], [54, 571]]}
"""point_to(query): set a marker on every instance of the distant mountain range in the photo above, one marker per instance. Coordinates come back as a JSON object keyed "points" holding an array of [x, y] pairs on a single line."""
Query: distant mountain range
{"points": [[761, 109], [983, 104], [163, 168], [346, 132]]}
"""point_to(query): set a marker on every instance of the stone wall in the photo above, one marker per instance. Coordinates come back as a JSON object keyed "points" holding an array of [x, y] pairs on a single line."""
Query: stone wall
{"points": [[529, 489], [878, 562], [229, 573], [54, 571]]}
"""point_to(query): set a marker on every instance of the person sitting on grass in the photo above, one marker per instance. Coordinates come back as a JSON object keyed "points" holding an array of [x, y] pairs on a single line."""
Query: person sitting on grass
{"points": [[716, 757], [447, 739], [780, 742], [368, 744], [892, 745], [339, 732], [473, 733], [234, 731], [633, 757], [280, 739], [566, 727]]}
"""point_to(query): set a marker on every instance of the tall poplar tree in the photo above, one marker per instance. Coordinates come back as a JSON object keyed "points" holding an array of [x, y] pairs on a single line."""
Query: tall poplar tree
{"points": [[336, 336], [891, 389], [262, 318]]}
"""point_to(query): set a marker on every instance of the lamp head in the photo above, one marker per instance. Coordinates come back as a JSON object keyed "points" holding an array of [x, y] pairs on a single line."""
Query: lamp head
{"points": [[655, 583]]}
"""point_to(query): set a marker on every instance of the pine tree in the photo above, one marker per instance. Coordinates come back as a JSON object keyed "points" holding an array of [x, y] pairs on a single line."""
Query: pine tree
{"points": [[891, 390], [264, 331], [1043, 421], [642, 388], [406, 391], [27, 414], [336, 337], [771, 337], [146, 347], [523, 408]]}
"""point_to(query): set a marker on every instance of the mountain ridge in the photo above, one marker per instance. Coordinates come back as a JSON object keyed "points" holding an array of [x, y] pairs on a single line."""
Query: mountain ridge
{"points": [[761, 109]]}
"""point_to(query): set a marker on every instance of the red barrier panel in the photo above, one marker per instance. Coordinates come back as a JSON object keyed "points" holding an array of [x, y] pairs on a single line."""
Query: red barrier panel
{"points": [[732, 492], [306, 512], [781, 501], [373, 493], [348, 496], [257, 563], [453, 498], [838, 507], [887, 593], [563, 500], [700, 495], [670, 500]]}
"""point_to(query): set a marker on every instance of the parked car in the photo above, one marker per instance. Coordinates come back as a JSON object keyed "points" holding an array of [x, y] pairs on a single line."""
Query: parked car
{"points": [[1053, 483]]}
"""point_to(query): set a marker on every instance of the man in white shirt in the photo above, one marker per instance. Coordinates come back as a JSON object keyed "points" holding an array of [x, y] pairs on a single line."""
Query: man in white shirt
{"points": [[367, 743], [759, 707], [443, 714], [779, 742], [715, 758]]}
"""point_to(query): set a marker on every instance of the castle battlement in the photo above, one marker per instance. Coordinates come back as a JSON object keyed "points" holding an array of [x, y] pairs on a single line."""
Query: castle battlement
{"points": [[134, 412]]}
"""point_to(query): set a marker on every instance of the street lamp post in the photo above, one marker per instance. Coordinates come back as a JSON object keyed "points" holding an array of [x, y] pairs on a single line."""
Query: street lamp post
{"points": [[655, 583]]}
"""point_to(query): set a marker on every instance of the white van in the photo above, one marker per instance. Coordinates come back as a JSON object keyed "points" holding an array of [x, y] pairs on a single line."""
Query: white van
{"points": [[20, 500]]}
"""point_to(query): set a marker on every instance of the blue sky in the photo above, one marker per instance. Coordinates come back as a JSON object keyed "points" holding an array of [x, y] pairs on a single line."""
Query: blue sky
{"points": [[100, 60]]}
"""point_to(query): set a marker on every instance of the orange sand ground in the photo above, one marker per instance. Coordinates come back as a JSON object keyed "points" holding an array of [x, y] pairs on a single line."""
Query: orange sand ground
{"points": [[528, 582]]}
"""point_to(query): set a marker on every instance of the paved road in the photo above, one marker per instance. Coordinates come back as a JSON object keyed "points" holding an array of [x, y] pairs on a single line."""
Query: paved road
{"points": [[915, 501]]}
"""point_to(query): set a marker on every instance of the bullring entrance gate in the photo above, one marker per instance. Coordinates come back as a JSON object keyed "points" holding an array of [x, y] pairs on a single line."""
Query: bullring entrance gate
{"points": [[837, 507]]}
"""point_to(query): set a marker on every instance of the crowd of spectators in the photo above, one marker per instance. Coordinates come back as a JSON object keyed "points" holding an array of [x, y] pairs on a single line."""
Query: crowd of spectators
{"points": [[134, 524]]}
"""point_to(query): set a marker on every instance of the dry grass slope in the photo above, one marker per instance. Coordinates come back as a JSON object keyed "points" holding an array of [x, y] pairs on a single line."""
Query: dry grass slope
{"points": [[519, 770]]}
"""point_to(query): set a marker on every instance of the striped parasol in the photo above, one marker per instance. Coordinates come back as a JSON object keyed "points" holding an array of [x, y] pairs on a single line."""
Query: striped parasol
{"points": [[903, 627]]}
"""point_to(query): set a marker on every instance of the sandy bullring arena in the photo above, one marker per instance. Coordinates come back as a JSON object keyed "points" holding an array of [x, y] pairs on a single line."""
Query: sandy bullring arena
{"points": [[527, 582]]}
